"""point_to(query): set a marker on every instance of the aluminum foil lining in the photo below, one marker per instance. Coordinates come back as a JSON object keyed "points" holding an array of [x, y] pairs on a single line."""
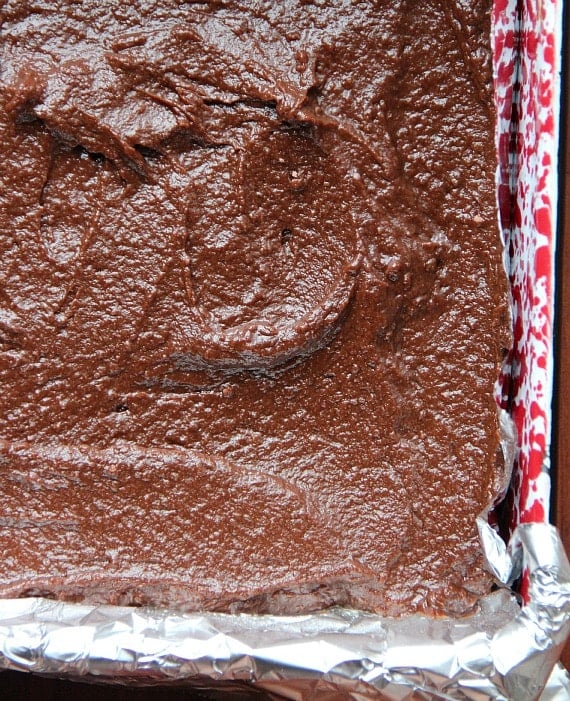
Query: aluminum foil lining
{"points": [[502, 652]]}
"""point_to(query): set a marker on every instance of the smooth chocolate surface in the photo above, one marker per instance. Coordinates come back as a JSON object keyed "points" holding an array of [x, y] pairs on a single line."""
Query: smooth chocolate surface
{"points": [[252, 303]]}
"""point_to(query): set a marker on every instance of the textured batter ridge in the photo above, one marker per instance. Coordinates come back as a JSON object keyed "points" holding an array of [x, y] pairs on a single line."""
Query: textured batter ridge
{"points": [[252, 304]]}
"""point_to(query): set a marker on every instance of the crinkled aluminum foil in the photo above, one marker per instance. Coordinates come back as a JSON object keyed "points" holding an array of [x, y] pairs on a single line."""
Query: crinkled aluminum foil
{"points": [[502, 652]]}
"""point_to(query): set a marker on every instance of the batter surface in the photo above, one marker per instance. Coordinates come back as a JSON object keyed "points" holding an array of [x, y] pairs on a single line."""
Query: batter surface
{"points": [[252, 304]]}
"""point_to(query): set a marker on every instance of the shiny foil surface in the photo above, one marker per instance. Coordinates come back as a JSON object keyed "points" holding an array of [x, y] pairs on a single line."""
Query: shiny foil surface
{"points": [[503, 652]]}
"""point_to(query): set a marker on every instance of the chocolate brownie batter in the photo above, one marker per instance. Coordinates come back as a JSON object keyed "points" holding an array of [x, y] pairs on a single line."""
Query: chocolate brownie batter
{"points": [[252, 304]]}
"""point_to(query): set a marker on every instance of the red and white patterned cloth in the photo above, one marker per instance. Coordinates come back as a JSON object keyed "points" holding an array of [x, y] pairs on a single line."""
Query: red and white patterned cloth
{"points": [[528, 89]]}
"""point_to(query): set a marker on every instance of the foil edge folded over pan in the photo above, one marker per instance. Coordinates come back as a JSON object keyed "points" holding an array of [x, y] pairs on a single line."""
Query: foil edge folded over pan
{"points": [[501, 652]]}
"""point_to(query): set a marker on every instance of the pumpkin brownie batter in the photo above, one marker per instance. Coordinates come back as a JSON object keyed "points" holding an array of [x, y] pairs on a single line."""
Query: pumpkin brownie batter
{"points": [[252, 303]]}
